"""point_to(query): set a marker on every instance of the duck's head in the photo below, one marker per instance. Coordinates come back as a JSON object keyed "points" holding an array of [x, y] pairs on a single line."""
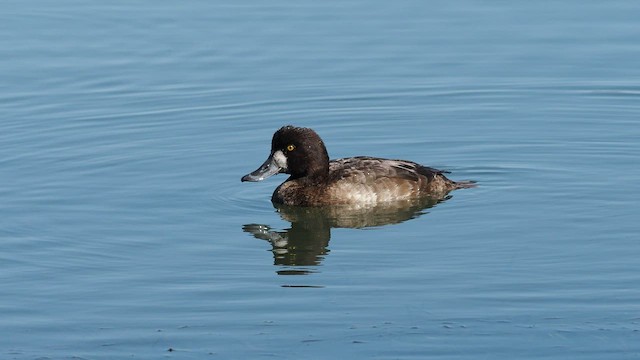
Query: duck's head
{"points": [[296, 151]]}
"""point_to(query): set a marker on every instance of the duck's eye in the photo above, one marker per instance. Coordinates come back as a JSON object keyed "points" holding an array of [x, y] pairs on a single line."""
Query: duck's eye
{"points": [[291, 147]]}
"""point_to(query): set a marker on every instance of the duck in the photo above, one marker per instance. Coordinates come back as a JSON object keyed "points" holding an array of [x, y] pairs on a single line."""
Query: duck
{"points": [[314, 180]]}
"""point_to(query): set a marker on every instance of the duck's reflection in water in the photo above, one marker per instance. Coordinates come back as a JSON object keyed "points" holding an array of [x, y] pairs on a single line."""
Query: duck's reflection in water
{"points": [[305, 243]]}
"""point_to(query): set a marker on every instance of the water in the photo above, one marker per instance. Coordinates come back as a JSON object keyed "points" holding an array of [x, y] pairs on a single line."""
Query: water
{"points": [[125, 231]]}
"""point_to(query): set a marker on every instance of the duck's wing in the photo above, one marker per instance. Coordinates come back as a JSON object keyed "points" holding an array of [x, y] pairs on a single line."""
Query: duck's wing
{"points": [[365, 169]]}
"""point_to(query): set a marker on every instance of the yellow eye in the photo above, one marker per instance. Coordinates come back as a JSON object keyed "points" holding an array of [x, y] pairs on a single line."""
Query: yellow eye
{"points": [[291, 147]]}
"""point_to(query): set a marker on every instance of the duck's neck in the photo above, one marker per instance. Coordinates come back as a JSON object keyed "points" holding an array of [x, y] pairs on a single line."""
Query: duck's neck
{"points": [[317, 177], [317, 170]]}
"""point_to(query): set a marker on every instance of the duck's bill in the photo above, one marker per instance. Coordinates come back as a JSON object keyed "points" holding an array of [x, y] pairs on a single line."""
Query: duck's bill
{"points": [[269, 168]]}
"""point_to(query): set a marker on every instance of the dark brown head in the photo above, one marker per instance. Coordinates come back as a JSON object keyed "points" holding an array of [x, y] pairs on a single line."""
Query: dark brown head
{"points": [[296, 151]]}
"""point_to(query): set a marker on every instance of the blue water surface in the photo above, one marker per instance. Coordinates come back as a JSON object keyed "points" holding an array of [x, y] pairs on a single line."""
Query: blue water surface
{"points": [[125, 231]]}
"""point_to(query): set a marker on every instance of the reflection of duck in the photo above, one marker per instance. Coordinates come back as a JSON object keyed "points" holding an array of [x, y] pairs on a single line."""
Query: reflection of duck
{"points": [[306, 242], [316, 181]]}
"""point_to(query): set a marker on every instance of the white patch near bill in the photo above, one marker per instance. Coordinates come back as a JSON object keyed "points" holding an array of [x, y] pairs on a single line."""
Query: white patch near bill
{"points": [[280, 159]]}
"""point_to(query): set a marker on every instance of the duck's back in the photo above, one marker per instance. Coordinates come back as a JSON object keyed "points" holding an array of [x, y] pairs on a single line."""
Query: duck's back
{"points": [[370, 180]]}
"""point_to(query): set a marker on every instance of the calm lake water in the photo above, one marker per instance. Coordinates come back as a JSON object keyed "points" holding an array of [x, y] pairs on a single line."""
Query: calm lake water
{"points": [[125, 231]]}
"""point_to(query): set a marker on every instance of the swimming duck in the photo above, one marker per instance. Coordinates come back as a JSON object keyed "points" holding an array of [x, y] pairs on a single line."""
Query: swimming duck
{"points": [[362, 180]]}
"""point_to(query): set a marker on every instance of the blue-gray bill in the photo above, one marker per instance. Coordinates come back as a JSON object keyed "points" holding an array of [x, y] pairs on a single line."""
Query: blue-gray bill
{"points": [[268, 169]]}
